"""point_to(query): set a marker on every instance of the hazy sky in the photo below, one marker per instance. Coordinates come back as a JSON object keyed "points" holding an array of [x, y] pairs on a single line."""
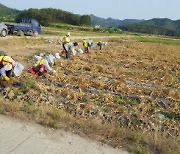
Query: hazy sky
{"points": [[117, 9]]}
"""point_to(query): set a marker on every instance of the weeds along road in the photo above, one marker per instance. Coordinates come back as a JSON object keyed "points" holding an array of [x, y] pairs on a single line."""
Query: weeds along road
{"points": [[21, 137]]}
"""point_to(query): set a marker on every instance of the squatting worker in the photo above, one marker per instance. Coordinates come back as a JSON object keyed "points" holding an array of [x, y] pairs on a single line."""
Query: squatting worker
{"points": [[8, 66], [41, 66]]}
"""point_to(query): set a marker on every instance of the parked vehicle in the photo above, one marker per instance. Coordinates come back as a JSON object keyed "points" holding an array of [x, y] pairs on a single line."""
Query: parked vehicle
{"points": [[3, 29], [25, 27]]}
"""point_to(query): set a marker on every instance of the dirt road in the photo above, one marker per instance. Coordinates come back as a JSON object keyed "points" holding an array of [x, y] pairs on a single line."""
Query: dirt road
{"points": [[21, 137]]}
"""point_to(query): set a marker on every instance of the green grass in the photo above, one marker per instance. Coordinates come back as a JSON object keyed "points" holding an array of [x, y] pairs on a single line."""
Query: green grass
{"points": [[125, 100], [117, 100], [158, 40], [71, 27], [62, 28], [172, 115], [54, 114], [30, 109], [84, 99], [50, 123], [139, 149], [100, 103], [27, 84], [62, 32]]}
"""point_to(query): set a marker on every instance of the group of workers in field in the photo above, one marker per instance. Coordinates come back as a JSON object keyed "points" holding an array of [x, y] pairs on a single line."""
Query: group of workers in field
{"points": [[10, 67], [68, 45]]}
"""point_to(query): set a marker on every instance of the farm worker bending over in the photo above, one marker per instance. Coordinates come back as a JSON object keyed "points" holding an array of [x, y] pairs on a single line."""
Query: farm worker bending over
{"points": [[9, 66], [69, 47], [101, 44], [86, 45], [41, 66]]}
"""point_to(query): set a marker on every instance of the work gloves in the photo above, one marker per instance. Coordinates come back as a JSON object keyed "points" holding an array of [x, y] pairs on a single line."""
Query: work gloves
{"points": [[6, 78]]}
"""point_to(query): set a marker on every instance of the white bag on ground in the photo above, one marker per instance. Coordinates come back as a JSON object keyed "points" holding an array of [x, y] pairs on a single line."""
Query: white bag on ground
{"points": [[80, 51], [18, 68], [51, 59]]}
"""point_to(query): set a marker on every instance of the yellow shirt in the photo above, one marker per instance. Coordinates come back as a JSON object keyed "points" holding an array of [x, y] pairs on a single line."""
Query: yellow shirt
{"points": [[39, 62], [86, 44], [66, 39]]}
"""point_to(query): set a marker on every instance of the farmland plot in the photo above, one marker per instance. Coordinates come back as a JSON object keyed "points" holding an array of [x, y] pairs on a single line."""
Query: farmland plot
{"points": [[127, 94]]}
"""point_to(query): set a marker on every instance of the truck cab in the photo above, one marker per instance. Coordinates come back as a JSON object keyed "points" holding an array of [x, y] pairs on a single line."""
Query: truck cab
{"points": [[35, 26], [25, 27], [3, 29]]}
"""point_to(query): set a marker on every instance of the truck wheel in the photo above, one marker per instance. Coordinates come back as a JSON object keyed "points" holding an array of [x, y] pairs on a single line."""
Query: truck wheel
{"points": [[3, 33], [35, 34], [20, 33]]}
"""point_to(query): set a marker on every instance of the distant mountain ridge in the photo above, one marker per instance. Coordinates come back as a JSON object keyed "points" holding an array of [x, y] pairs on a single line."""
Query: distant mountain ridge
{"points": [[110, 22]]}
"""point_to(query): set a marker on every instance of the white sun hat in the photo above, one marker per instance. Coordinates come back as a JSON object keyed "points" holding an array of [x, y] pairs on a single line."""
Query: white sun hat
{"points": [[68, 34], [42, 54], [37, 57], [56, 55], [18, 68]]}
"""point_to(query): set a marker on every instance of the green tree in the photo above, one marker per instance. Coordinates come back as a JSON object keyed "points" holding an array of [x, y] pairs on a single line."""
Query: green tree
{"points": [[85, 20]]}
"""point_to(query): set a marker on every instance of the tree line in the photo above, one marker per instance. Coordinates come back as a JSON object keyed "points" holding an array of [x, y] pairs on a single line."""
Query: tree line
{"points": [[149, 29], [48, 15]]}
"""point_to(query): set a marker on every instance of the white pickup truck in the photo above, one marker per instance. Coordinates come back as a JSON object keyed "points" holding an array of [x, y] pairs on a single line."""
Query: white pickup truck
{"points": [[3, 29]]}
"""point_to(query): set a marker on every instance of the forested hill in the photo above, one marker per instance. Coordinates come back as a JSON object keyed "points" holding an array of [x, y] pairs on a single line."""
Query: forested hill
{"points": [[44, 16], [49, 15], [164, 23], [157, 26], [5, 11]]}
